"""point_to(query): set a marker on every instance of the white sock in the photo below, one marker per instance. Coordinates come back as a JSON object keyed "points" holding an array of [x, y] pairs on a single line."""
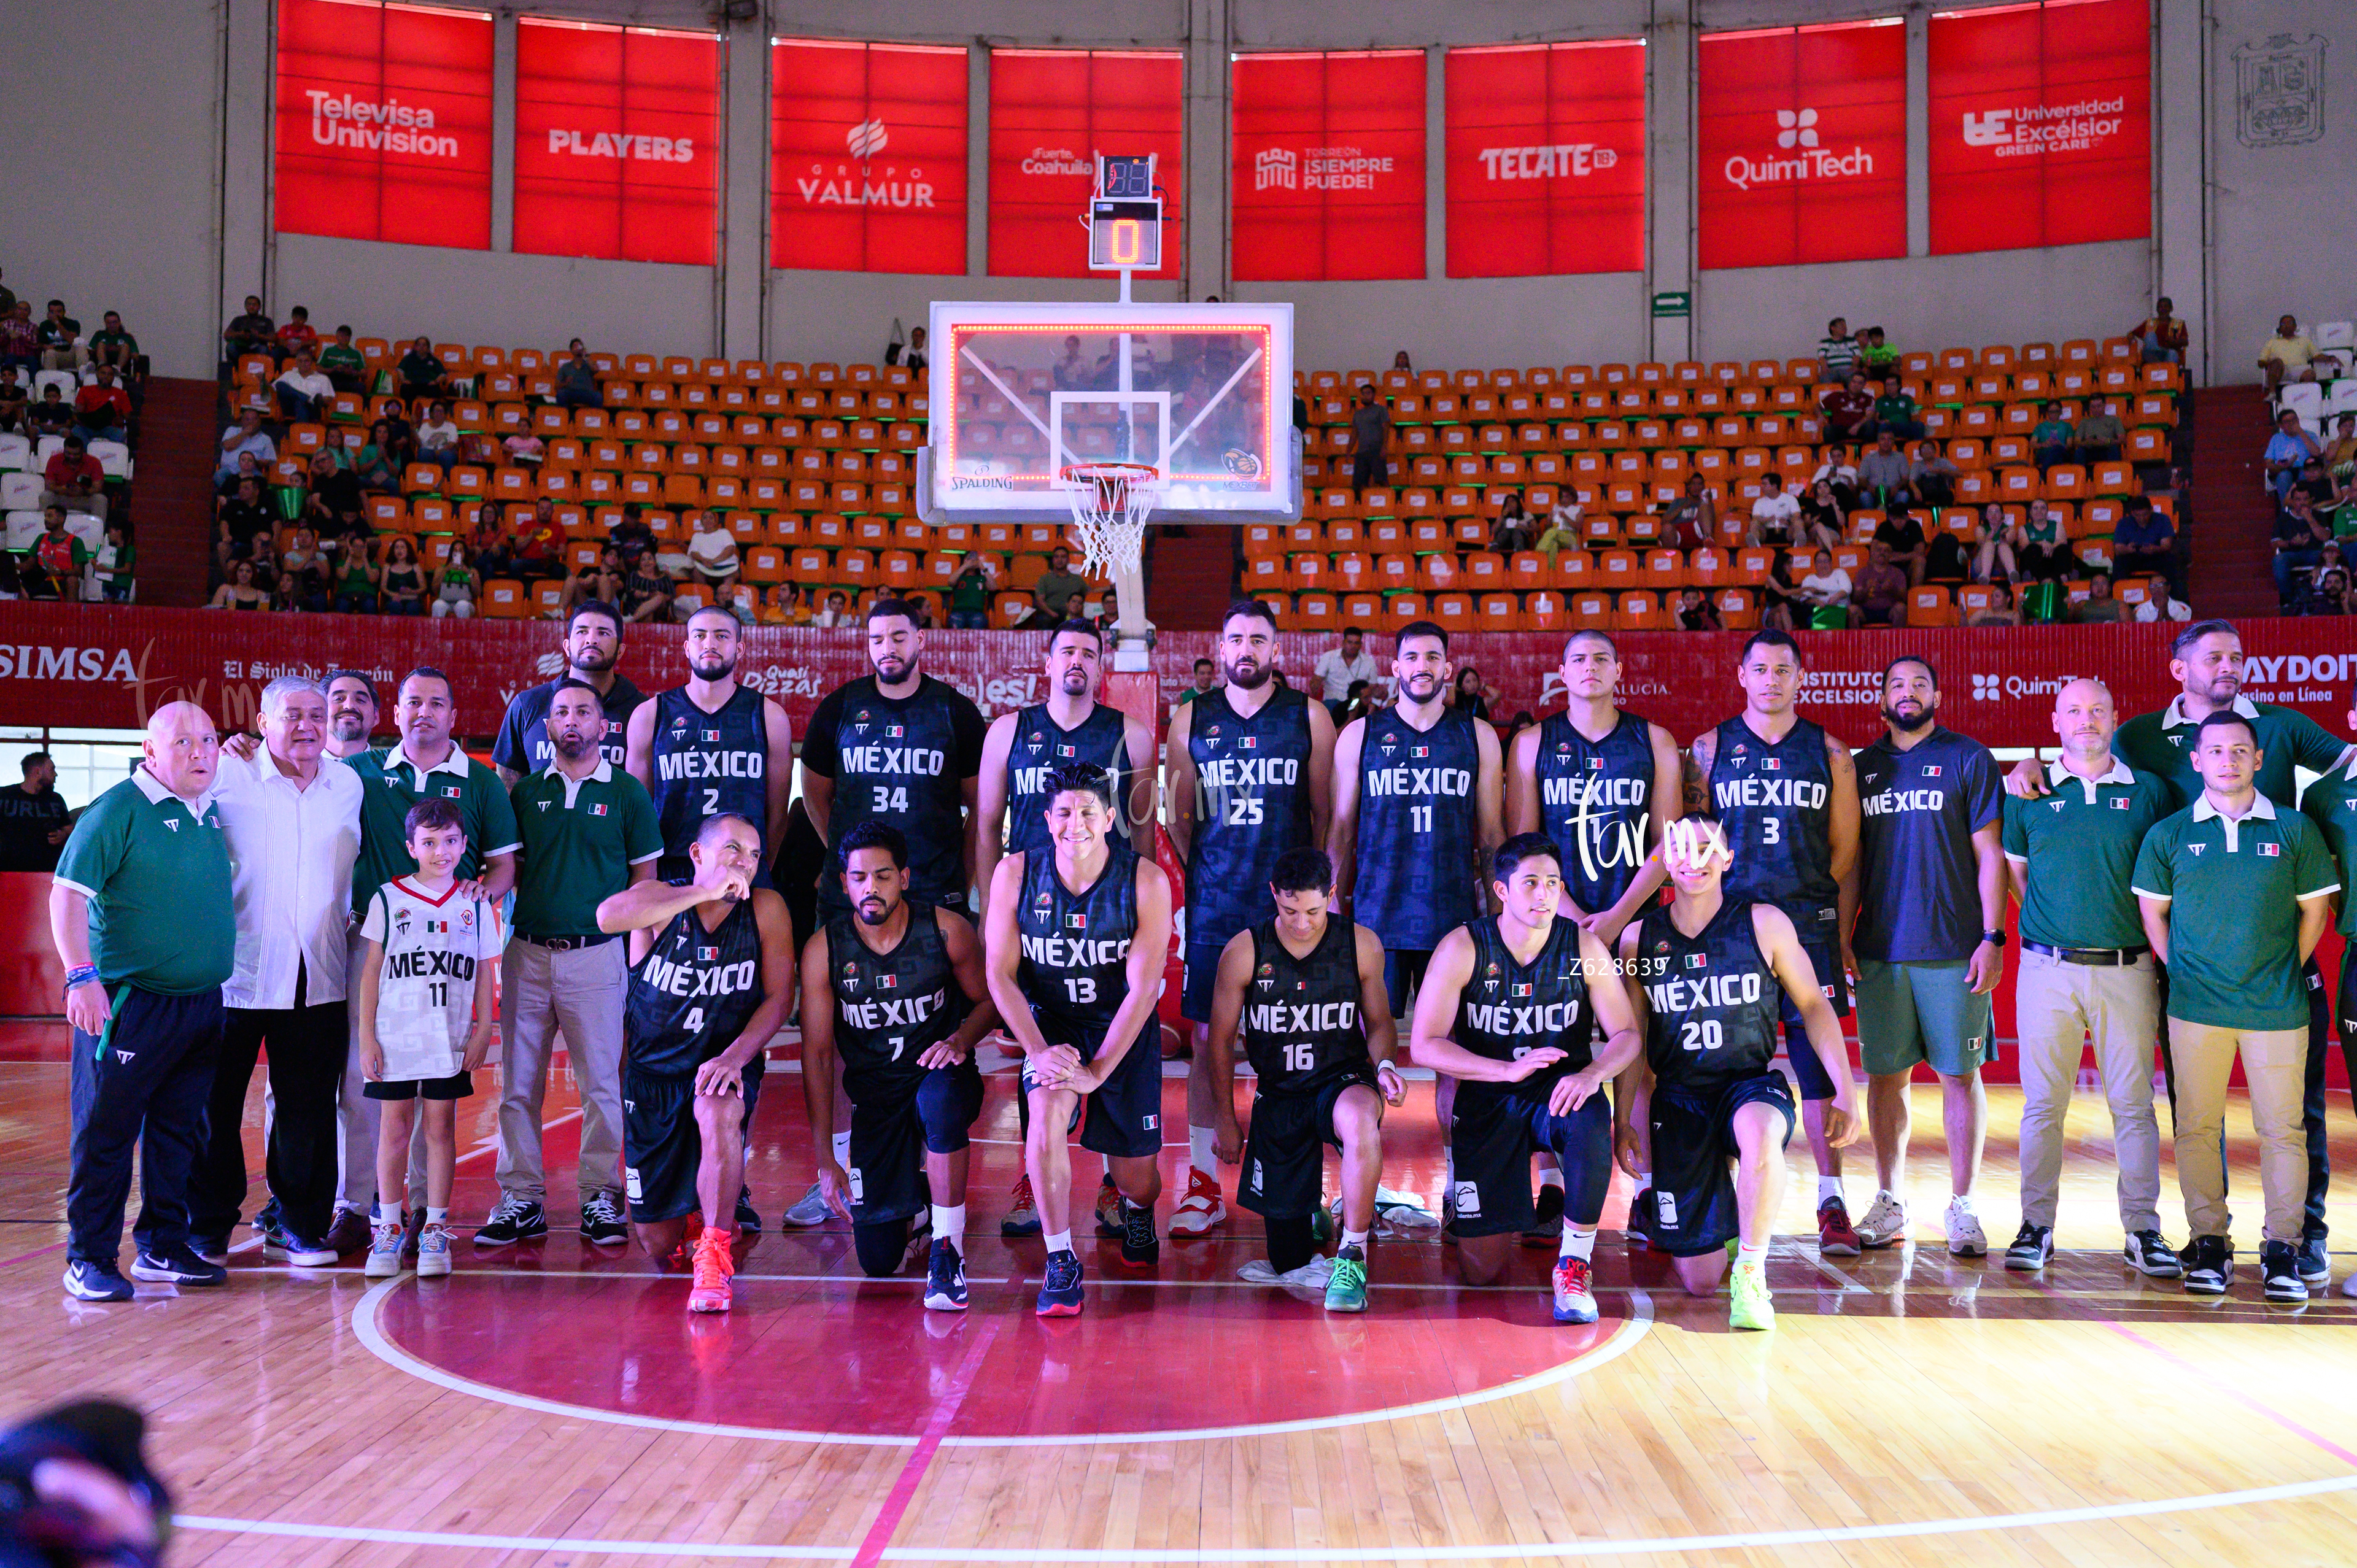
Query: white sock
{"points": [[1059, 1241], [437, 1216], [388, 1214], [1963, 1201], [1829, 1188], [1755, 1256], [1355, 1238], [949, 1222], [1550, 1172], [1198, 1151], [1580, 1244], [843, 1150]]}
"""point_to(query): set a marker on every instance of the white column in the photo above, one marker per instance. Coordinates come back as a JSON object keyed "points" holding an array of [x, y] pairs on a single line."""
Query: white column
{"points": [[246, 252], [503, 124], [745, 228], [1436, 162], [1919, 132], [977, 161], [2187, 97], [1209, 150], [1669, 176]]}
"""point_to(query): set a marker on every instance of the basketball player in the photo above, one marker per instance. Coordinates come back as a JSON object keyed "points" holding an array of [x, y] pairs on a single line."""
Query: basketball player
{"points": [[1707, 977], [1075, 941], [712, 973], [1018, 753], [1416, 816], [1250, 767], [593, 645], [1307, 992], [1786, 794], [899, 990], [711, 746], [1511, 1007]]}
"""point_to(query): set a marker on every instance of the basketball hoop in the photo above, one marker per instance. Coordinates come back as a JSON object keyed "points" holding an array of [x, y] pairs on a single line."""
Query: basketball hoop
{"points": [[1111, 503]]}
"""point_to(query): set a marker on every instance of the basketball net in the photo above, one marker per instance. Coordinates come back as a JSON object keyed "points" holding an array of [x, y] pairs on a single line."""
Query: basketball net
{"points": [[1111, 503]]}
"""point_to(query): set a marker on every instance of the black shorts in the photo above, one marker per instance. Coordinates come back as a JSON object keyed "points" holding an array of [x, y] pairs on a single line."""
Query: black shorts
{"points": [[1285, 1156], [892, 1132], [1497, 1128], [1825, 957], [1404, 972], [1693, 1150], [661, 1147], [1195, 989], [1123, 1118], [458, 1086]]}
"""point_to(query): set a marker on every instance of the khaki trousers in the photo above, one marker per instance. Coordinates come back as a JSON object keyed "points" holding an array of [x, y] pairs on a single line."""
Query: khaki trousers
{"points": [[2058, 1007], [2275, 1065]]}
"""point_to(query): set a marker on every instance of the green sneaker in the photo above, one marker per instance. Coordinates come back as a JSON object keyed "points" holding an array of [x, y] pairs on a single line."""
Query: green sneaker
{"points": [[1346, 1287], [1750, 1305]]}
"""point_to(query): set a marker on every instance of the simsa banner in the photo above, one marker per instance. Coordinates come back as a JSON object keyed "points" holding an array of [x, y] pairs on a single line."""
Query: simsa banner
{"points": [[868, 156], [384, 122], [1327, 178], [618, 142], [1802, 146], [1052, 111], [1546, 160], [2042, 126]]}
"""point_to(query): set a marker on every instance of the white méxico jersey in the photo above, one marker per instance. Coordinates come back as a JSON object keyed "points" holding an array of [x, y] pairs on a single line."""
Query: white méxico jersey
{"points": [[425, 992]]}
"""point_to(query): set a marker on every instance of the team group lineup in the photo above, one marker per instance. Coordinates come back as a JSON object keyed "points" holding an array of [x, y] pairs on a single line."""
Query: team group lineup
{"points": [[1501, 906]]}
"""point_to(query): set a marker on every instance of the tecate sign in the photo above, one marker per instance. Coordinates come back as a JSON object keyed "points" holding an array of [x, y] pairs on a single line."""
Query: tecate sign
{"points": [[1565, 159]]}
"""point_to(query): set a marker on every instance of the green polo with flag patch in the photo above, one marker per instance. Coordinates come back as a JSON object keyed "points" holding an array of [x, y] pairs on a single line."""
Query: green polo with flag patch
{"points": [[581, 836], [391, 784], [2331, 804], [2162, 742], [2076, 847], [156, 870], [2233, 917]]}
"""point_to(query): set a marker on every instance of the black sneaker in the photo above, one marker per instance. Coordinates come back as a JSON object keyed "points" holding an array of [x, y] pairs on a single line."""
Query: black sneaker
{"points": [[601, 1222], [2032, 1245], [748, 1218], [1141, 1248], [89, 1281], [514, 1220], [2209, 1266], [945, 1279], [2279, 1264], [177, 1266], [2147, 1253], [267, 1217], [2315, 1263], [348, 1233], [1546, 1229]]}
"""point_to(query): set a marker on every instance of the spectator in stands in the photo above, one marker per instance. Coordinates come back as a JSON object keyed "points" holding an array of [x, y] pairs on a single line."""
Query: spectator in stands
{"points": [[2001, 610], [2099, 608], [111, 345], [1696, 612], [20, 343], [1400, 362], [577, 379], [1900, 534], [2288, 451], [1896, 414], [2161, 603], [1779, 591], [102, 409], [242, 525], [237, 591], [60, 336], [376, 467], [1337, 669], [245, 439], [1945, 560], [304, 394], [401, 580], [298, 337], [1823, 518], [1848, 409], [837, 613], [524, 449], [333, 500], [454, 585], [1996, 543], [1512, 533], [2288, 356], [2099, 436], [599, 582], [2045, 552], [1824, 586], [1933, 477], [1692, 519], [1775, 516], [916, 359], [646, 595], [2318, 485], [343, 364], [1060, 589], [1371, 426], [437, 437], [2328, 596], [1886, 476], [2051, 441], [53, 570], [74, 480], [633, 537], [2144, 541], [1469, 695], [11, 398], [1879, 595], [2160, 337], [302, 570], [115, 564], [1206, 675], [251, 333], [52, 415], [355, 591], [1838, 470], [1876, 358], [1837, 353], [2299, 541], [970, 596], [420, 372], [1563, 529], [539, 549], [712, 551]]}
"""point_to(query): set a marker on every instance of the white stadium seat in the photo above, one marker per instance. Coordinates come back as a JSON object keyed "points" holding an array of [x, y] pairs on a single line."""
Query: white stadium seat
{"points": [[114, 457], [15, 452], [19, 491], [24, 527]]}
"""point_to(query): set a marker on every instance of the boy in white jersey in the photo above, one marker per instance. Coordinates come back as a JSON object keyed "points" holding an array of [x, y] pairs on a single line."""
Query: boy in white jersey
{"points": [[424, 1015]]}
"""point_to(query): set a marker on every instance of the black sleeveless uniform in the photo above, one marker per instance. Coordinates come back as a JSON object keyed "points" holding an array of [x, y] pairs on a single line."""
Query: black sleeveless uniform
{"points": [[1595, 797], [687, 1000], [889, 1008], [1302, 1033], [1418, 824], [1074, 972], [1507, 1010], [899, 761], [1712, 1005], [1040, 745], [1251, 804], [706, 765]]}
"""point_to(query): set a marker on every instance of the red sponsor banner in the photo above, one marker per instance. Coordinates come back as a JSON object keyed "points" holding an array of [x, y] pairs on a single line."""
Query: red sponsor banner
{"points": [[1052, 111], [2042, 126], [1327, 179], [868, 156], [618, 142], [1803, 144], [384, 124], [1546, 160]]}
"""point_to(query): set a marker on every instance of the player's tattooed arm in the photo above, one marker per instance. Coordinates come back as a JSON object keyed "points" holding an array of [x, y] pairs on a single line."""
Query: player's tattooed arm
{"points": [[1699, 757], [965, 949]]}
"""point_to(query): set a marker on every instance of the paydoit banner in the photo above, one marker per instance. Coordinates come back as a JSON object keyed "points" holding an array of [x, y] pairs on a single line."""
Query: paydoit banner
{"points": [[1802, 146], [2042, 126], [618, 142], [384, 124], [1546, 160], [1052, 111], [1328, 173], [867, 157]]}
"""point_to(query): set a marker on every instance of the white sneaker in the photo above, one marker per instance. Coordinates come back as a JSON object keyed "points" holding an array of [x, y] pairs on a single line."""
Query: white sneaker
{"points": [[1311, 1275], [384, 1251], [1884, 1223], [1202, 1210], [433, 1251], [2349, 1285], [810, 1211], [1965, 1237]]}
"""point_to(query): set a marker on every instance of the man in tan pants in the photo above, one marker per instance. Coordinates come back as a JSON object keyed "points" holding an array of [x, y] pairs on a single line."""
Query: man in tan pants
{"points": [[2234, 894]]}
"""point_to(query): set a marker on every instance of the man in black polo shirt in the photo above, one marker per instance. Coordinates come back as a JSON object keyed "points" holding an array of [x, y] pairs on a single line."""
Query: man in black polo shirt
{"points": [[593, 645]]}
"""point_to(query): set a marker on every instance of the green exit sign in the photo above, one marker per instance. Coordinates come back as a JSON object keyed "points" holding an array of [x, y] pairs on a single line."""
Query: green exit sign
{"points": [[1676, 302]]}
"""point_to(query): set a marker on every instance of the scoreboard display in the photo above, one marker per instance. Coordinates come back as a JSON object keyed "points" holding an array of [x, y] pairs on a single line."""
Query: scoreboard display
{"points": [[1124, 217]]}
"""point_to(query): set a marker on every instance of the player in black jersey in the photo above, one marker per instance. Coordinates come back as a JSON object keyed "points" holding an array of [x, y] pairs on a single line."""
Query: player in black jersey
{"points": [[1307, 992], [712, 974], [1511, 1008], [1707, 977], [1250, 769], [1786, 793], [1018, 752], [593, 644], [897, 990], [1075, 942]]}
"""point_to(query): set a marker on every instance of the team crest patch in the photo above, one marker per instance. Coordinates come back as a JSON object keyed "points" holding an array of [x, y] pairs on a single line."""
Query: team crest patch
{"points": [[1045, 901], [851, 976], [1035, 740], [1390, 746], [1562, 748], [1469, 1199], [401, 922], [2057, 805], [1267, 975], [466, 919], [2196, 849], [2271, 850], [1662, 946]]}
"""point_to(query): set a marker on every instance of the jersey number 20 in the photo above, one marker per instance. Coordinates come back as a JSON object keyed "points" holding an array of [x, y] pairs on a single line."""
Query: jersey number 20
{"points": [[1703, 1033]]}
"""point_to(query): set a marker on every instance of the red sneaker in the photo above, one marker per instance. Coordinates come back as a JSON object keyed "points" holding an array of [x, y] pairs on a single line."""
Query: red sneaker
{"points": [[1201, 1210], [1836, 1238], [713, 1269]]}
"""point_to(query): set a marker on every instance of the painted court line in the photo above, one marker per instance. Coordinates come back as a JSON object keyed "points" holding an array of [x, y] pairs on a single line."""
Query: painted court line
{"points": [[937, 1427], [2239, 1396]]}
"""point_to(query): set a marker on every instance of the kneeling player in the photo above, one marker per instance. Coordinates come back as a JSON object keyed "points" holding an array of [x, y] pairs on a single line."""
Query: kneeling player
{"points": [[1075, 941], [1708, 976], [1309, 994], [1509, 1008], [898, 989], [712, 973]]}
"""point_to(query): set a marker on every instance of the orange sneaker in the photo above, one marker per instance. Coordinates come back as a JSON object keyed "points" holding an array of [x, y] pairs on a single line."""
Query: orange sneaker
{"points": [[714, 1268]]}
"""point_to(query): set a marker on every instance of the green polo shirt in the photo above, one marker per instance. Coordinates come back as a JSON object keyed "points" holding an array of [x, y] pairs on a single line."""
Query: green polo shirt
{"points": [[2234, 890], [2331, 804], [2077, 847], [156, 870], [2162, 742], [580, 840], [391, 784]]}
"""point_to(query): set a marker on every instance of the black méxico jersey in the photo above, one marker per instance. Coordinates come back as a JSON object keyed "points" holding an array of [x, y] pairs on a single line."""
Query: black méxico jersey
{"points": [[694, 992], [1776, 804], [1301, 1026], [1595, 800], [524, 746], [1251, 804], [890, 1007], [707, 765], [1075, 966], [1038, 747], [1712, 1002], [902, 761], [1417, 827], [1509, 1008]]}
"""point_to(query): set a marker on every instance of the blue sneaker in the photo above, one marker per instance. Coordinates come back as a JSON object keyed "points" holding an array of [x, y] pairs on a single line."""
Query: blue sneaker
{"points": [[1060, 1294], [945, 1278], [1575, 1296]]}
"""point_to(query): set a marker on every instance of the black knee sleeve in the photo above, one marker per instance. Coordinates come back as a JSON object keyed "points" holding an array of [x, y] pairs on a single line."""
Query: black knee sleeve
{"points": [[1291, 1243], [881, 1246]]}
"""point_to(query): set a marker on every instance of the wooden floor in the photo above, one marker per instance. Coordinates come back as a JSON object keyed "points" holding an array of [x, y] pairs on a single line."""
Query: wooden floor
{"points": [[548, 1406]]}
